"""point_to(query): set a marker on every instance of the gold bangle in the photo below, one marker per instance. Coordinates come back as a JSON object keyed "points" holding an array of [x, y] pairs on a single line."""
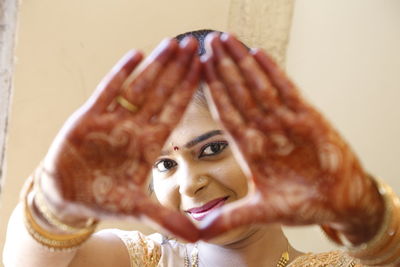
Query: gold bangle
{"points": [[51, 218], [51, 241], [390, 253], [384, 246], [377, 241]]}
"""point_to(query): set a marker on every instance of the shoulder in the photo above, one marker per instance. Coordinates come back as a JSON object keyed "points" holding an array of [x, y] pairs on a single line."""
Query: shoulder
{"points": [[153, 250], [143, 250], [333, 259], [104, 248]]}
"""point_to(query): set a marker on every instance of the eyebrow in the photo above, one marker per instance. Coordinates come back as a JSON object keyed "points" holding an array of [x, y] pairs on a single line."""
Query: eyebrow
{"points": [[198, 139], [201, 138]]}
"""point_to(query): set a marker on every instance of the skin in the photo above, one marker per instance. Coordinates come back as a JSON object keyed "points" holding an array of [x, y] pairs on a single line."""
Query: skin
{"points": [[196, 174], [301, 169], [294, 159], [98, 164], [189, 177], [284, 163]]}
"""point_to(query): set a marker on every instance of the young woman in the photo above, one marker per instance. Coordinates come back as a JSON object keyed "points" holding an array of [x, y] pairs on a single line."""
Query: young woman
{"points": [[247, 156]]}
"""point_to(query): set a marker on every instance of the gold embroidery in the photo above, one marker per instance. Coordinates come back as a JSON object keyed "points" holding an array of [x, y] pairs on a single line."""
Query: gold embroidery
{"points": [[143, 251], [327, 259]]}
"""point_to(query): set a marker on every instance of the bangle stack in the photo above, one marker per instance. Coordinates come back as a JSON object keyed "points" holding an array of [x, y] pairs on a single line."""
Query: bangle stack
{"points": [[70, 237], [384, 247]]}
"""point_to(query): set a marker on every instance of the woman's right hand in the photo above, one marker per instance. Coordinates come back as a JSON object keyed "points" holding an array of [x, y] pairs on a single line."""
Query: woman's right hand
{"points": [[99, 163]]}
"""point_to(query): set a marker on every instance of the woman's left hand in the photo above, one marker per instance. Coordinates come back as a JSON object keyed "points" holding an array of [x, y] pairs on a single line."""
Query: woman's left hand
{"points": [[300, 169]]}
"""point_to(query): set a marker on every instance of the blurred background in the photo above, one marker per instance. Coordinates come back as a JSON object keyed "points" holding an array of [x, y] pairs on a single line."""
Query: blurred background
{"points": [[342, 54]]}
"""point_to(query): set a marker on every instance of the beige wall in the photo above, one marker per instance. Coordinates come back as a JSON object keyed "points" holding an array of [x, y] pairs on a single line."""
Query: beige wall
{"points": [[343, 55]]}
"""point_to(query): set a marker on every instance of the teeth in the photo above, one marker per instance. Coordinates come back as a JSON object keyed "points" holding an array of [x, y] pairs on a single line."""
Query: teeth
{"points": [[199, 214]]}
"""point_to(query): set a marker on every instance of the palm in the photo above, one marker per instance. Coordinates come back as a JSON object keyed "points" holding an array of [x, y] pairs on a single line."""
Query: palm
{"points": [[99, 162], [301, 169]]}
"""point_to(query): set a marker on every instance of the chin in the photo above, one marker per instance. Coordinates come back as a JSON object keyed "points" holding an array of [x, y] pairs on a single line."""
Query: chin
{"points": [[234, 236]]}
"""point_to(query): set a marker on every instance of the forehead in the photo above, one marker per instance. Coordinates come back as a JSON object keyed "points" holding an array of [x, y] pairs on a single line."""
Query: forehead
{"points": [[196, 121]]}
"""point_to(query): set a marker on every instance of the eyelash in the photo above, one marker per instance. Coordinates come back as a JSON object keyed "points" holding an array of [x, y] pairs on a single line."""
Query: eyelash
{"points": [[224, 144]]}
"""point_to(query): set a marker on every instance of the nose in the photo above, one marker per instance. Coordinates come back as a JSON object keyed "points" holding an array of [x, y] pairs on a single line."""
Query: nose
{"points": [[192, 180]]}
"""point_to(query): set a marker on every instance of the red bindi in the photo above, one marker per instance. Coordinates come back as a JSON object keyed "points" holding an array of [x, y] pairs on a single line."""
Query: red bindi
{"points": [[176, 148]]}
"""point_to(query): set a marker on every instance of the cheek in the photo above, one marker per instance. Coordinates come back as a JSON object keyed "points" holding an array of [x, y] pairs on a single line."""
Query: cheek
{"points": [[166, 192], [233, 177]]}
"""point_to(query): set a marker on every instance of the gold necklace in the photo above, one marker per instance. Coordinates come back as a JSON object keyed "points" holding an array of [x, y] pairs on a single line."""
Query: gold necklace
{"points": [[194, 261]]}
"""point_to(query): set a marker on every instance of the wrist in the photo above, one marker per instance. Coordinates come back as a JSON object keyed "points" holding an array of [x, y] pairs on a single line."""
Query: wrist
{"points": [[54, 208], [44, 231], [38, 216], [50, 222], [383, 247], [363, 222]]}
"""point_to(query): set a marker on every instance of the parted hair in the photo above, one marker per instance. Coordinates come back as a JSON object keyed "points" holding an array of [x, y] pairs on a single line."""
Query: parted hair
{"points": [[200, 36]]}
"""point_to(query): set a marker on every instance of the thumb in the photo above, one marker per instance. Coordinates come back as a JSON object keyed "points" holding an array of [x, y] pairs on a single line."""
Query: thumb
{"points": [[243, 212], [169, 220]]}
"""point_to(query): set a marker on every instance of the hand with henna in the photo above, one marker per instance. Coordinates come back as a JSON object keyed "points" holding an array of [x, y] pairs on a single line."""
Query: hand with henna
{"points": [[300, 169], [99, 163]]}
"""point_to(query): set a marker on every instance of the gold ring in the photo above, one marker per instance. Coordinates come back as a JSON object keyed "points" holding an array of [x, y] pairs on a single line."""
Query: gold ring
{"points": [[126, 104]]}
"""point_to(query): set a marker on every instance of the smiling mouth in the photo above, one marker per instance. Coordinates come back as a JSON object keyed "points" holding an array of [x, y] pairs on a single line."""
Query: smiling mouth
{"points": [[200, 213]]}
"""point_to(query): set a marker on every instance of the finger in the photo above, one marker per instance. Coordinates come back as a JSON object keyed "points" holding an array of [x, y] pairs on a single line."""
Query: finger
{"points": [[220, 104], [177, 103], [254, 75], [173, 222], [241, 213], [287, 91], [234, 81], [134, 89], [171, 78], [251, 142], [110, 86], [297, 116], [131, 201]]}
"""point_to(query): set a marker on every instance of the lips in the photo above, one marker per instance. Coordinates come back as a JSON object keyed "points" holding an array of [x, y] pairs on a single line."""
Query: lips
{"points": [[200, 212]]}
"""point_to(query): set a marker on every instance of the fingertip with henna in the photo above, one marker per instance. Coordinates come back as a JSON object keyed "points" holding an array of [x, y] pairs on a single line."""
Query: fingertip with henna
{"points": [[212, 226]]}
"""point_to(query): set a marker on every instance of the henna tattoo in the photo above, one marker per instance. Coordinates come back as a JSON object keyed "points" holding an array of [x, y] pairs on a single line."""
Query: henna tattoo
{"points": [[255, 143], [101, 186], [330, 157], [283, 146], [302, 170], [101, 159], [152, 151]]}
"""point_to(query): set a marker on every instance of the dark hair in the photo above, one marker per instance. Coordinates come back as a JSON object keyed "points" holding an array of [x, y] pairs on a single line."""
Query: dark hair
{"points": [[198, 97], [200, 35]]}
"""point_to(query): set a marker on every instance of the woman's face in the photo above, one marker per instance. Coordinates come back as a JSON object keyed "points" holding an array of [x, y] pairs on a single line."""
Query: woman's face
{"points": [[196, 172]]}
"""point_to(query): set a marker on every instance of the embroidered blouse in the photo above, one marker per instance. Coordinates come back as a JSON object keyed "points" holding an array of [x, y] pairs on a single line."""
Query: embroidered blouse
{"points": [[153, 251]]}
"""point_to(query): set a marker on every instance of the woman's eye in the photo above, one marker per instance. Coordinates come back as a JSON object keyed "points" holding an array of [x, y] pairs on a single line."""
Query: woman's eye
{"points": [[213, 149], [165, 165]]}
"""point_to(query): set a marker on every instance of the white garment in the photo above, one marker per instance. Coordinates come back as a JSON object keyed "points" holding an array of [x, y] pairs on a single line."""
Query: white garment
{"points": [[170, 253]]}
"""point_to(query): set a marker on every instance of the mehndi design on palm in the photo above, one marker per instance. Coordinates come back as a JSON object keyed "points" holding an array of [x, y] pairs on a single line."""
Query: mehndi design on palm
{"points": [[98, 165], [300, 169]]}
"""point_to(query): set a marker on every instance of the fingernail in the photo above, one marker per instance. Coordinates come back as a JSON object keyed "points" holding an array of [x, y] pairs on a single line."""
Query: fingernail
{"points": [[204, 58], [185, 41], [164, 43], [225, 36], [162, 46]]}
